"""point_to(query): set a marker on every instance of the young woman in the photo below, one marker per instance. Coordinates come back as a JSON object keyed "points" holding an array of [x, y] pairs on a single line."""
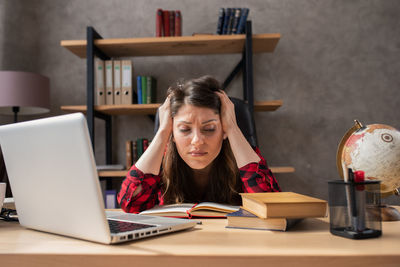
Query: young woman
{"points": [[198, 153]]}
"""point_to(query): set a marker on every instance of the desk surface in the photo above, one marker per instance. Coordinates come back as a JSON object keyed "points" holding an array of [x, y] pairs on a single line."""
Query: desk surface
{"points": [[210, 244]]}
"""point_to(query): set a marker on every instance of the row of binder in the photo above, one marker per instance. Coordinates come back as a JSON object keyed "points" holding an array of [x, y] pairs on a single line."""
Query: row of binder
{"points": [[113, 82]]}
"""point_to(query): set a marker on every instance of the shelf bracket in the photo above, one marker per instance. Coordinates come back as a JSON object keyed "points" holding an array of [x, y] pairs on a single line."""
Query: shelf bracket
{"points": [[91, 52]]}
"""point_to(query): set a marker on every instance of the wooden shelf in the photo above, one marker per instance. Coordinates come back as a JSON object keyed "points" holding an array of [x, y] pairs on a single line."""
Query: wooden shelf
{"points": [[181, 45], [116, 174], [151, 109]]}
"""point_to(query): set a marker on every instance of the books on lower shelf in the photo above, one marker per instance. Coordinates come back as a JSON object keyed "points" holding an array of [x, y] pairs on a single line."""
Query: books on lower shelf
{"points": [[190, 210], [135, 149], [246, 220], [284, 205]]}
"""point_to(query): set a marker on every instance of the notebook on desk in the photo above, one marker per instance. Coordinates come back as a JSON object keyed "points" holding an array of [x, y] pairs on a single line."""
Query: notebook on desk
{"points": [[53, 177]]}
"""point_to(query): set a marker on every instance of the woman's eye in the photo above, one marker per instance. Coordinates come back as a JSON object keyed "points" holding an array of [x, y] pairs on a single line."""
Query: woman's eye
{"points": [[184, 130], [209, 129]]}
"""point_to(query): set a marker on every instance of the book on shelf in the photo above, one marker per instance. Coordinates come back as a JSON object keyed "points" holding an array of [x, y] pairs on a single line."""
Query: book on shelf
{"points": [[227, 16], [190, 210], [117, 83], [244, 219], [242, 21], [221, 16], [166, 31], [109, 82], [139, 89], [128, 153], [99, 82], [236, 20], [178, 23], [230, 21], [126, 80], [144, 90], [283, 205], [159, 23], [171, 23], [151, 89]]}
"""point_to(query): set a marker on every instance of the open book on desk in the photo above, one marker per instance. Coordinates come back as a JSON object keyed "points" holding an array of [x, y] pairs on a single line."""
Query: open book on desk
{"points": [[189, 210]]}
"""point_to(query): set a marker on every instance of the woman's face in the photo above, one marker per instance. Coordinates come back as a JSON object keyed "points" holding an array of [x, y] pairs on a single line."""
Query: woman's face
{"points": [[198, 135]]}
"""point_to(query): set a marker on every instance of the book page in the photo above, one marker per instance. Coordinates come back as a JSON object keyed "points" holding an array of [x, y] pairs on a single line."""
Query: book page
{"points": [[176, 209], [216, 207]]}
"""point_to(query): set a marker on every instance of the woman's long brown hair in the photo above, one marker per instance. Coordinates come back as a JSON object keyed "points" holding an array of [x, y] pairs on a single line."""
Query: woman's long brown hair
{"points": [[178, 181]]}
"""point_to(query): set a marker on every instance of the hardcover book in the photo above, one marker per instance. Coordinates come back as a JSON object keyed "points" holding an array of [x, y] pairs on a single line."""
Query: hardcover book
{"points": [[246, 220], [242, 21], [178, 23], [283, 205], [221, 16], [190, 210], [159, 23]]}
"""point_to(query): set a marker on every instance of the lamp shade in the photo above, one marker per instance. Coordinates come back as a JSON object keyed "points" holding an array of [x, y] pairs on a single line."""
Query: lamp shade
{"points": [[28, 91]]}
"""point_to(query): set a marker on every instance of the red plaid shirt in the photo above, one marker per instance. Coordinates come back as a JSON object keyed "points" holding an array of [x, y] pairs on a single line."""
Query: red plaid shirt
{"points": [[256, 177]]}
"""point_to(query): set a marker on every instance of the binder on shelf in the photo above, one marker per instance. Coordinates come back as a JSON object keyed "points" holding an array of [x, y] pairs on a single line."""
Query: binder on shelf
{"points": [[127, 71], [117, 83], [99, 82], [109, 82]]}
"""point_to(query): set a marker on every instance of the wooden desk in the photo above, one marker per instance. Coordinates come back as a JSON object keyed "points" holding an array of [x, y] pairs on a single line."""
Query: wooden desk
{"points": [[210, 244]]}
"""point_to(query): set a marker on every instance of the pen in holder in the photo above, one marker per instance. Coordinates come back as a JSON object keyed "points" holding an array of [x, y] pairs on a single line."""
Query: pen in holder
{"points": [[354, 208]]}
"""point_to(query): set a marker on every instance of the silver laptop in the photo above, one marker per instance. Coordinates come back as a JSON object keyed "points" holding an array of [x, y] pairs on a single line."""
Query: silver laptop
{"points": [[53, 177]]}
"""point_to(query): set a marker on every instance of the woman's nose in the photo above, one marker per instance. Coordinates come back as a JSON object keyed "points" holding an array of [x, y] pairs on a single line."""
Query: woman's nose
{"points": [[197, 138]]}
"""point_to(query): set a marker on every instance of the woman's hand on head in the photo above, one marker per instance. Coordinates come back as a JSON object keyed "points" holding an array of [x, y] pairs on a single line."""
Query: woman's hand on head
{"points": [[228, 116], [164, 115]]}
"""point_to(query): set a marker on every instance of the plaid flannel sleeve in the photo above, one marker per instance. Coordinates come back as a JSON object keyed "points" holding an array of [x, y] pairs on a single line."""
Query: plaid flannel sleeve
{"points": [[257, 177], [147, 198]]}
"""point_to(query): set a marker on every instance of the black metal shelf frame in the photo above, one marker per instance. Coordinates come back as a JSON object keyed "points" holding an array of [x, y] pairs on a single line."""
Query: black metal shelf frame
{"points": [[245, 65]]}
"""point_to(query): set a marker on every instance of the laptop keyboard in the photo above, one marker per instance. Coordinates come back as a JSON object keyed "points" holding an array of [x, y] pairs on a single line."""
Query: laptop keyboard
{"points": [[120, 226]]}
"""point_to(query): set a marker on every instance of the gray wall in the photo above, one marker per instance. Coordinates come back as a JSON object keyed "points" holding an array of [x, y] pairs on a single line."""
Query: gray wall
{"points": [[336, 61]]}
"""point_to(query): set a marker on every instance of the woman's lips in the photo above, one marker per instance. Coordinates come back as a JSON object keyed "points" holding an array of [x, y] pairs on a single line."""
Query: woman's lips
{"points": [[197, 153]]}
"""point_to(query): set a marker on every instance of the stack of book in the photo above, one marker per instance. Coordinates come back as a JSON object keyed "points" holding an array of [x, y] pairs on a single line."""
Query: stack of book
{"points": [[134, 150], [113, 82], [275, 210], [168, 23], [232, 20], [146, 89]]}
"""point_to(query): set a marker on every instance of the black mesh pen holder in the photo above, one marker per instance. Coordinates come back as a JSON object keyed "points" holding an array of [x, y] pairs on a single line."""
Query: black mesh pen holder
{"points": [[354, 209]]}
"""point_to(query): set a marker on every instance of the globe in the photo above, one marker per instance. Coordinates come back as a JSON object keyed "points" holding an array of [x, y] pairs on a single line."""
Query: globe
{"points": [[374, 149]]}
